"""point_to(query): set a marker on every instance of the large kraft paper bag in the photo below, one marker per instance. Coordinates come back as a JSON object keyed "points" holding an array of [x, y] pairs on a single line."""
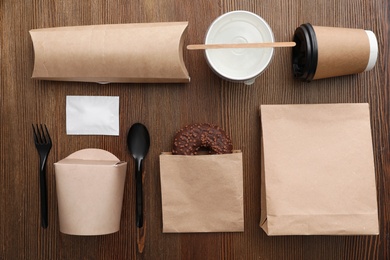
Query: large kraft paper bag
{"points": [[202, 193], [318, 175]]}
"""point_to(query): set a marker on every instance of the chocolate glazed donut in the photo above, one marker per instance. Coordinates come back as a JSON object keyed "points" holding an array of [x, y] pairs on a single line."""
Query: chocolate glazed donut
{"points": [[192, 138]]}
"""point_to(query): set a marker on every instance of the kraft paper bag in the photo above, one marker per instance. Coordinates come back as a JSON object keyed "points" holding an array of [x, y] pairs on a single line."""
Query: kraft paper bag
{"points": [[202, 193], [135, 53], [90, 185], [318, 175]]}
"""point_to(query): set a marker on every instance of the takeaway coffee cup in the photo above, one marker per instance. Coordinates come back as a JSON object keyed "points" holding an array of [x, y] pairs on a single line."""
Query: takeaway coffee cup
{"points": [[242, 64], [323, 52]]}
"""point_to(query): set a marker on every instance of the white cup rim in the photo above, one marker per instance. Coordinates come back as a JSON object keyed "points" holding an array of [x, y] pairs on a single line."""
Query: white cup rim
{"points": [[250, 76]]}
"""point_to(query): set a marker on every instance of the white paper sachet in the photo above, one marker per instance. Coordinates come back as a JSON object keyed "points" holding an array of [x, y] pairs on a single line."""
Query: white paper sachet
{"points": [[92, 115]]}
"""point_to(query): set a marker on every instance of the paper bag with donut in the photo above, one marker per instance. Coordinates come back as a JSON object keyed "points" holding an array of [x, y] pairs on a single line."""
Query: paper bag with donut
{"points": [[202, 182], [318, 175]]}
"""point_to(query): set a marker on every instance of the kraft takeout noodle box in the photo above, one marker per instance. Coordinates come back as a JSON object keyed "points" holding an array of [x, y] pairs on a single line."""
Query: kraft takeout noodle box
{"points": [[90, 186], [202, 193], [138, 52], [317, 175]]}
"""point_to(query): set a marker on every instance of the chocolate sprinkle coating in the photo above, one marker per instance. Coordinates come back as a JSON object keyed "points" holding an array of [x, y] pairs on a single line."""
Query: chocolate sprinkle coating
{"points": [[190, 139]]}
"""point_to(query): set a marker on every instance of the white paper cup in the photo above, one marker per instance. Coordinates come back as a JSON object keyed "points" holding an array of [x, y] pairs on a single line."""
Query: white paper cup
{"points": [[239, 65]]}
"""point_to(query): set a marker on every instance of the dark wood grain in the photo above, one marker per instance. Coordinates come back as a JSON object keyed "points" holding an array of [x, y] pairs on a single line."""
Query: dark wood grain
{"points": [[165, 108]]}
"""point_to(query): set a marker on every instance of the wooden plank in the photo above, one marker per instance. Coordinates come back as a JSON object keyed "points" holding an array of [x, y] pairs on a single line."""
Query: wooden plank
{"points": [[164, 109]]}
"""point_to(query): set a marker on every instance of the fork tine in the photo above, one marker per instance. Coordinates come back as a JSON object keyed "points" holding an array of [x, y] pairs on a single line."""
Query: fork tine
{"points": [[39, 134], [48, 135], [42, 134]]}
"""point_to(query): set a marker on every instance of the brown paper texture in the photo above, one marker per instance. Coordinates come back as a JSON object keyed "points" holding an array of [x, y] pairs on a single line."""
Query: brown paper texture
{"points": [[341, 51], [90, 186], [318, 175], [202, 193], [139, 53]]}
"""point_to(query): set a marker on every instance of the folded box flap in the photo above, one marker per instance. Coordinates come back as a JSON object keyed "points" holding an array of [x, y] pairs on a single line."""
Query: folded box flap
{"points": [[91, 156]]}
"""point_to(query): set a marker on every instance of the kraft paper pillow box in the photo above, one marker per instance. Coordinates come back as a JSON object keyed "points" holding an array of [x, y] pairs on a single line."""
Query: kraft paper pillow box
{"points": [[318, 175], [135, 53], [90, 185], [202, 193]]}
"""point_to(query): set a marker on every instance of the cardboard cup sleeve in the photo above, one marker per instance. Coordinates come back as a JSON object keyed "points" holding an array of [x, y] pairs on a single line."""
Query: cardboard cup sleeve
{"points": [[134, 53], [90, 185], [324, 52]]}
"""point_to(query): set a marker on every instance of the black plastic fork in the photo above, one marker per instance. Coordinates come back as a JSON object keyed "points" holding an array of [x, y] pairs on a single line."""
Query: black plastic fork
{"points": [[43, 144]]}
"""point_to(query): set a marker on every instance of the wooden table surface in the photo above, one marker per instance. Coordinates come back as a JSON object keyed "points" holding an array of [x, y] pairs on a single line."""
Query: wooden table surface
{"points": [[165, 108]]}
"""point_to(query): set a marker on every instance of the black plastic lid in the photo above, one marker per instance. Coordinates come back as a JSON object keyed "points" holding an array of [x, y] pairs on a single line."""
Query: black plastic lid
{"points": [[305, 53]]}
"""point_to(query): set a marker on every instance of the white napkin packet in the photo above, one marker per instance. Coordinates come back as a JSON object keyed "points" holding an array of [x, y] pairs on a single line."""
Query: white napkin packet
{"points": [[92, 115]]}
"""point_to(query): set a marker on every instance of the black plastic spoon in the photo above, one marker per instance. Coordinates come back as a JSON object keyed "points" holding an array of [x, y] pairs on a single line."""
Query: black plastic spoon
{"points": [[138, 142]]}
